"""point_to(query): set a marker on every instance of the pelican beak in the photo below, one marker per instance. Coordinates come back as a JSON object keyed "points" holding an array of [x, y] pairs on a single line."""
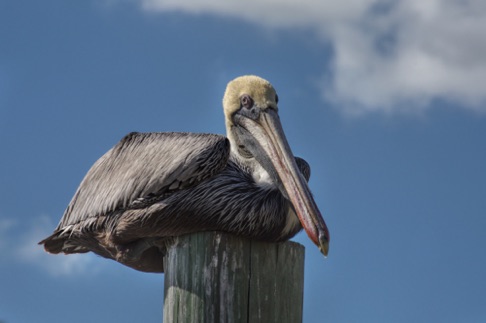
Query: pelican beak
{"points": [[270, 147]]}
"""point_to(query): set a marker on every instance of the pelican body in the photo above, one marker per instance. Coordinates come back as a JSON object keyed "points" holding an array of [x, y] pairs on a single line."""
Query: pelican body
{"points": [[151, 187]]}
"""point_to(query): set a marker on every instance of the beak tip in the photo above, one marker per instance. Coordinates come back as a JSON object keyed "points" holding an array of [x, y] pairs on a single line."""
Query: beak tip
{"points": [[324, 244], [324, 250]]}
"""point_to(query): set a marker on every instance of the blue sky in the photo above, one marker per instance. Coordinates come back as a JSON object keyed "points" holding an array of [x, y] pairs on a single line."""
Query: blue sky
{"points": [[385, 100]]}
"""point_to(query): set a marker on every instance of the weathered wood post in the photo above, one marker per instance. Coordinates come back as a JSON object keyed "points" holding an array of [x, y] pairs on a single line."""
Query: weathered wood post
{"points": [[217, 277]]}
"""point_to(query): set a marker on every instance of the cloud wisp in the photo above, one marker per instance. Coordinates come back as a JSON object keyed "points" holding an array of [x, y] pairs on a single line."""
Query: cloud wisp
{"points": [[21, 245], [388, 55]]}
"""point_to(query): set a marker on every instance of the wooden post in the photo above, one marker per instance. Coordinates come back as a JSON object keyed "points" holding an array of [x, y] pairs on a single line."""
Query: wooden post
{"points": [[217, 277]]}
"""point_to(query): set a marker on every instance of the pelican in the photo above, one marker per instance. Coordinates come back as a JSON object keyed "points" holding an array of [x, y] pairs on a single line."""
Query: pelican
{"points": [[151, 187]]}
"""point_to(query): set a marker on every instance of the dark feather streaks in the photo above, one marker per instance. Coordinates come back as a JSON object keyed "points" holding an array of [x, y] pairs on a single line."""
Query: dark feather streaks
{"points": [[144, 165]]}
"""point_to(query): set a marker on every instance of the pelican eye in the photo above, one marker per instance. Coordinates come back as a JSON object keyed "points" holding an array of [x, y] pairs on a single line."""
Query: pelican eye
{"points": [[276, 98], [246, 101]]}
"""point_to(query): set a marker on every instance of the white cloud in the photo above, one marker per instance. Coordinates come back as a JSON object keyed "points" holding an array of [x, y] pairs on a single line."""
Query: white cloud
{"points": [[388, 55], [24, 248]]}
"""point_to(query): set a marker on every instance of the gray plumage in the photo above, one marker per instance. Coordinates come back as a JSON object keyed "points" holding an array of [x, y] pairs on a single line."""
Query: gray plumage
{"points": [[144, 166]]}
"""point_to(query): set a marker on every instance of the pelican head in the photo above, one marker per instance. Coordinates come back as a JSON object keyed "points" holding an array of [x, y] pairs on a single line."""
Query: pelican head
{"points": [[257, 138]]}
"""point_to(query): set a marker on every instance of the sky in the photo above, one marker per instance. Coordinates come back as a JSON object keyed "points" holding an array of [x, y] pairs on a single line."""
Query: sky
{"points": [[385, 99]]}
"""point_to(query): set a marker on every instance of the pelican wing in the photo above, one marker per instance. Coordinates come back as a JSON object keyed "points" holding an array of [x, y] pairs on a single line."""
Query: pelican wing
{"points": [[143, 167]]}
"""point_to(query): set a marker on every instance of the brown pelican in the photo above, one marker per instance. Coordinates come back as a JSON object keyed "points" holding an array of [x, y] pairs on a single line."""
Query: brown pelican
{"points": [[154, 186]]}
